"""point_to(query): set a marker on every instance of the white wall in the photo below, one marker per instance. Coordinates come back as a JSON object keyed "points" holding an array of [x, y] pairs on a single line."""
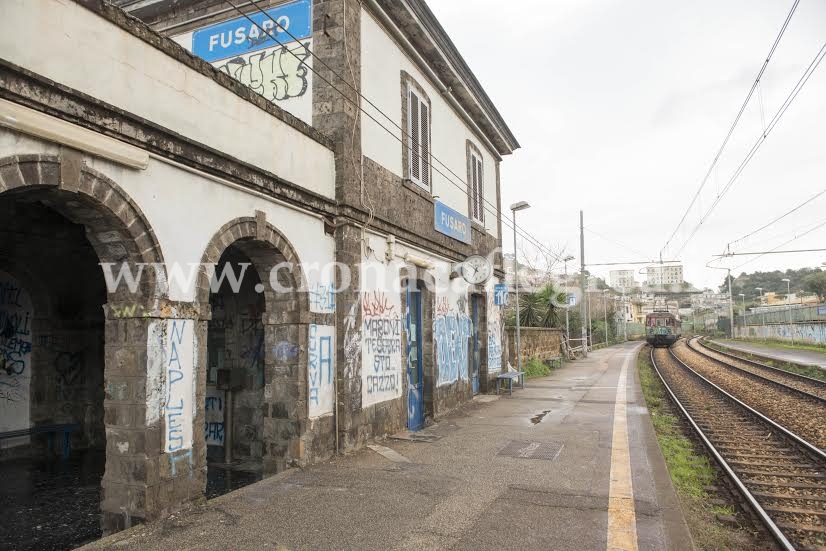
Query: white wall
{"points": [[168, 196], [83, 51], [293, 85], [381, 64]]}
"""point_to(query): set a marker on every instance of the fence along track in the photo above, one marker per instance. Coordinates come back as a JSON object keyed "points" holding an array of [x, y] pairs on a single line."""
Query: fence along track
{"points": [[789, 378], [780, 475]]}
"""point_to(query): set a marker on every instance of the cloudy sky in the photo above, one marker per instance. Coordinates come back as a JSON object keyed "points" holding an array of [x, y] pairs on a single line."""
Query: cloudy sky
{"points": [[621, 106]]}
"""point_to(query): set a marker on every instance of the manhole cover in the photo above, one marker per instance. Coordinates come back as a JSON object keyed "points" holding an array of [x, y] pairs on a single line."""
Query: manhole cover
{"points": [[526, 449]]}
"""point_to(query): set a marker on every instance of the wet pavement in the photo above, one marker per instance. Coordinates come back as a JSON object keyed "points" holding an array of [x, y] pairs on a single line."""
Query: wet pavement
{"points": [[50, 504], [222, 480], [533, 471]]}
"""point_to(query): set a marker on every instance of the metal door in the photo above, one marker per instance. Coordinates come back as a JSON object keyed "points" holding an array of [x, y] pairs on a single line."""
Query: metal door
{"points": [[476, 360], [415, 386]]}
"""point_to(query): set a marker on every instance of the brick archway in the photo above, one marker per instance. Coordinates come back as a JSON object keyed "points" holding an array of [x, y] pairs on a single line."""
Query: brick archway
{"points": [[285, 328], [115, 226], [110, 228]]}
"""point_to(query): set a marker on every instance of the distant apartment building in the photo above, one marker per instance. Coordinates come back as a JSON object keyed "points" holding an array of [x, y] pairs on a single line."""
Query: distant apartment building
{"points": [[622, 279], [665, 275]]}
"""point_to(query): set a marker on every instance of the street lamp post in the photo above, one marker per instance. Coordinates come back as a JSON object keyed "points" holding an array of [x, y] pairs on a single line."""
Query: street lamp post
{"points": [[567, 303], [789, 305], [763, 311], [605, 313], [743, 313], [521, 205]]}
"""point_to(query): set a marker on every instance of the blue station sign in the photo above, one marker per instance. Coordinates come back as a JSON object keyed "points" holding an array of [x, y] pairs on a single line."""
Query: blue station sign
{"points": [[240, 36], [451, 223], [500, 294]]}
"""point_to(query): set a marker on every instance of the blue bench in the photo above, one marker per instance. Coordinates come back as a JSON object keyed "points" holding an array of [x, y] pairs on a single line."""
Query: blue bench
{"points": [[510, 376], [50, 431]]}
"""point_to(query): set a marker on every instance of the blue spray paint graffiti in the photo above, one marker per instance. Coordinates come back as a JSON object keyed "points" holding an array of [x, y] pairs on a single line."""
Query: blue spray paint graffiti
{"points": [[451, 334], [179, 356], [320, 372]]}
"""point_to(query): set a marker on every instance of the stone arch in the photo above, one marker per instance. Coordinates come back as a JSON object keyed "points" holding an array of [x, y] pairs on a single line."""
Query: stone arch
{"points": [[285, 333], [115, 226], [92, 207]]}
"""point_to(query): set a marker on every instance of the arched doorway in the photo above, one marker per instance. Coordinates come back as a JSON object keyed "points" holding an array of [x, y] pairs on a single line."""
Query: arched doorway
{"points": [[234, 422], [75, 384], [256, 354]]}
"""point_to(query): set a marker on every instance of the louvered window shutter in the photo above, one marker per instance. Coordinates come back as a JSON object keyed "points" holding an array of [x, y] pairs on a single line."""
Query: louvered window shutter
{"points": [[415, 165], [480, 195], [425, 152]]}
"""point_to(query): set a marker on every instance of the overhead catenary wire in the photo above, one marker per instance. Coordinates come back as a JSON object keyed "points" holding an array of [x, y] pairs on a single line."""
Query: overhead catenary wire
{"points": [[810, 69], [775, 220], [770, 251], [494, 210], [734, 123]]}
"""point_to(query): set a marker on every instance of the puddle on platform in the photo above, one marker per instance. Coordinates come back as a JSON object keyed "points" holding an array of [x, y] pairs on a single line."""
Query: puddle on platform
{"points": [[50, 504], [536, 419], [222, 479]]}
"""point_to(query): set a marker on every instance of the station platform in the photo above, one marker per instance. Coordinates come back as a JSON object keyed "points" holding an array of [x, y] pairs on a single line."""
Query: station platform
{"points": [[570, 462], [811, 358]]}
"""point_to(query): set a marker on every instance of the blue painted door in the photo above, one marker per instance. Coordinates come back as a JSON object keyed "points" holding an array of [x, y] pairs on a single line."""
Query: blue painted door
{"points": [[476, 360], [415, 375]]}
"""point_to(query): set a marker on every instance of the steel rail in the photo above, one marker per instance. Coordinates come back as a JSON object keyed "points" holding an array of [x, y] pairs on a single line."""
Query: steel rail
{"points": [[756, 376], [755, 363], [761, 513]]}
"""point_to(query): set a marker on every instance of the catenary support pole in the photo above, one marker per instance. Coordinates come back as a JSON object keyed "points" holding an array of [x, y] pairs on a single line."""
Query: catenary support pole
{"points": [[583, 314]]}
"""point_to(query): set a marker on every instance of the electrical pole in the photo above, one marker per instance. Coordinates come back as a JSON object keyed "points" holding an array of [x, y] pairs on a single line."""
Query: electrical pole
{"points": [[583, 314], [730, 307]]}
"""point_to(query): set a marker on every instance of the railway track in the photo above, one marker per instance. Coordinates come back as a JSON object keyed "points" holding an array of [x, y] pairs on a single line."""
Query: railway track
{"points": [[800, 411], [780, 475], [796, 381]]}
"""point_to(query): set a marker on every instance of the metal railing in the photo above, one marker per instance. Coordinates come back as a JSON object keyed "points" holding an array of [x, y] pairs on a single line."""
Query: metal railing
{"points": [[780, 314]]}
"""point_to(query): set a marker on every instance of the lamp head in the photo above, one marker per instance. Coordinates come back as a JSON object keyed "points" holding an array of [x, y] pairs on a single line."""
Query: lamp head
{"points": [[521, 205]]}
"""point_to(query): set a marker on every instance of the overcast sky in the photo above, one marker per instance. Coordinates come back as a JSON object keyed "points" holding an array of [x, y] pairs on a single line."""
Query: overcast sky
{"points": [[620, 107]]}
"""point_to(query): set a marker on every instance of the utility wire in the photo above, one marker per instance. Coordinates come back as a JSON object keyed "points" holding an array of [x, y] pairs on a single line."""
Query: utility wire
{"points": [[734, 124], [615, 242], [760, 140], [464, 189], [770, 251], [779, 218]]}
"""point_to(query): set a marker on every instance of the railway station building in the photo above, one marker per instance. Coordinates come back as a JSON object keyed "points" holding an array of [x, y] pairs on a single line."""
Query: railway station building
{"points": [[232, 238]]}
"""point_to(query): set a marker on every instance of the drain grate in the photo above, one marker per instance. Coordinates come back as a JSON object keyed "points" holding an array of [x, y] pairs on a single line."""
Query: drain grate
{"points": [[526, 449]]}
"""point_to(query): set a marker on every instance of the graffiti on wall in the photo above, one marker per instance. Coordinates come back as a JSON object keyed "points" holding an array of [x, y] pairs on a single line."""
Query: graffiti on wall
{"points": [[322, 298], [451, 338], [214, 417], [352, 341], [16, 316], [494, 314], [179, 370], [277, 74], [381, 347], [321, 370]]}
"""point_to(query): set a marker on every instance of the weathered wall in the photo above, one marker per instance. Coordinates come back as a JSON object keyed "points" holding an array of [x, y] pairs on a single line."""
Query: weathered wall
{"points": [[382, 64], [536, 342], [812, 333], [117, 67]]}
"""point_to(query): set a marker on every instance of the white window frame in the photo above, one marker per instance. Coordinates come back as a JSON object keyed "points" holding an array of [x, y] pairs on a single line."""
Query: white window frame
{"points": [[418, 169]]}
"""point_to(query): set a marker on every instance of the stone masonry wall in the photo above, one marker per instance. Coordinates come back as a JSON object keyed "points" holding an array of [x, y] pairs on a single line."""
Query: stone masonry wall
{"points": [[536, 342]]}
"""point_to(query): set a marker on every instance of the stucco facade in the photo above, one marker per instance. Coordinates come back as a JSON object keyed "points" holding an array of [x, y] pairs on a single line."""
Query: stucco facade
{"points": [[152, 164]]}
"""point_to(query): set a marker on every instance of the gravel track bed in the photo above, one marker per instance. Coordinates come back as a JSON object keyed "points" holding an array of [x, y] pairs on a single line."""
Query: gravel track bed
{"points": [[812, 387], [799, 414], [757, 452]]}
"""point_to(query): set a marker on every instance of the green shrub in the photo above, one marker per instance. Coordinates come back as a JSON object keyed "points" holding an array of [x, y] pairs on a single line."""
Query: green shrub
{"points": [[536, 368]]}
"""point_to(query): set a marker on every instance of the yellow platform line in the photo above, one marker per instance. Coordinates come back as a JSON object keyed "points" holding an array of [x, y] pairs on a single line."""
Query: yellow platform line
{"points": [[622, 520]]}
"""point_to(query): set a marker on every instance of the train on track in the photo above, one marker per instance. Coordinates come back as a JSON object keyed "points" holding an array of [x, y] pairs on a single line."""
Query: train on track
{"points": [[662, 328]]}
